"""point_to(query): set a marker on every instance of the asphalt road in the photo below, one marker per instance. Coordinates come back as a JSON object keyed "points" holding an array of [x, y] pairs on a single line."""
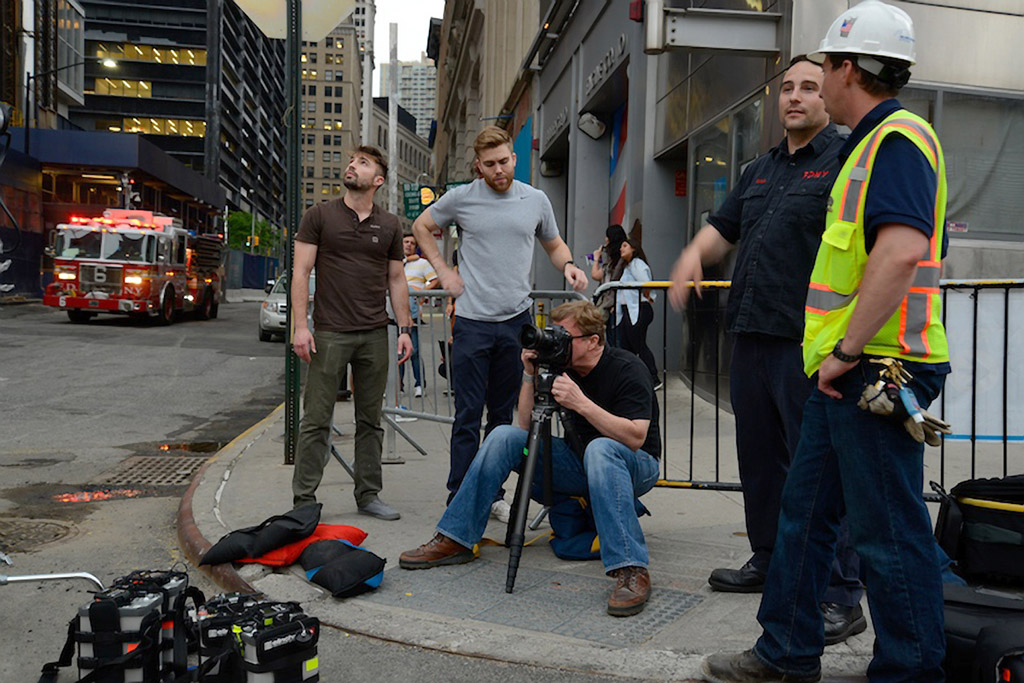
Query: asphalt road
{"points": [[101, 426]]}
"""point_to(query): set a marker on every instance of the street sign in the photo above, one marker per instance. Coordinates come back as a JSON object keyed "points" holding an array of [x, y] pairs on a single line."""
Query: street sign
{"points": [[319, 17], [411, 200]]}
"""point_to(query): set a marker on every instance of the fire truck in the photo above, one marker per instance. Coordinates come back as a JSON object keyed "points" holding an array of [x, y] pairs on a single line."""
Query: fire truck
{"points": [[134, 262]]}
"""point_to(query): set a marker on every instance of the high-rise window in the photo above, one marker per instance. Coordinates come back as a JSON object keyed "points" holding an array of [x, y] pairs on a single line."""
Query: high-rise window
{"points": [[71, 44]]}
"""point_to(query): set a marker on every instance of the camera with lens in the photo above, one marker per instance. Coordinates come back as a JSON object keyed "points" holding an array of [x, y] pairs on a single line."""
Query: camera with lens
{"points": [[553, 345]]}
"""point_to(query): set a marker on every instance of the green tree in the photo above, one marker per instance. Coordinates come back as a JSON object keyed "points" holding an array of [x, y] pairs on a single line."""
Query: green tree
{"points": [[240, 227]]}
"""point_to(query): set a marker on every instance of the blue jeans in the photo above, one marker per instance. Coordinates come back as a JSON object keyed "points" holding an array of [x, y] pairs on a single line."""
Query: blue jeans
{"points": [[486, 369], [611, 475], [414, 359], [871, 462]]}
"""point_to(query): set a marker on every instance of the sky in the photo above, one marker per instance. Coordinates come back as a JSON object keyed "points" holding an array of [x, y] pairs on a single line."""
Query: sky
{"points": [[413, 19]]}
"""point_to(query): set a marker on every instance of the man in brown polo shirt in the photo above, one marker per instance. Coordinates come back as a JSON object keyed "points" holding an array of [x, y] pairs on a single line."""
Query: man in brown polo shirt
{"points": [[357, 249]]}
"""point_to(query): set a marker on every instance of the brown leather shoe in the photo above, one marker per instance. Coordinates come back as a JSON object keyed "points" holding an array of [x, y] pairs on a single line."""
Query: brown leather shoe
{"points": [[632, 589], [438, 551]]}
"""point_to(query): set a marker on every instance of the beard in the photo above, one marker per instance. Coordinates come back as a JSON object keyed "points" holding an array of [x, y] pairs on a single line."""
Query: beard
{"points": [[353, 183], [494, 185]]}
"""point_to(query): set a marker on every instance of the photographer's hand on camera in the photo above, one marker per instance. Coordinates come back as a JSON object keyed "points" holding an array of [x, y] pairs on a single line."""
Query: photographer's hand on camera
{"points": [[527, 356], [569, 395]]}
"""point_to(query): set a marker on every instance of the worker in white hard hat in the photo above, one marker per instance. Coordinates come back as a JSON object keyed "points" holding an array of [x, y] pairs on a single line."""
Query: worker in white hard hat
{"points": [[873, 295]]}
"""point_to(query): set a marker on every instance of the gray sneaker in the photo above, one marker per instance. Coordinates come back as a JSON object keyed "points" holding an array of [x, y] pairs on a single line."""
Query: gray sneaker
{"points": [[379, 509]]}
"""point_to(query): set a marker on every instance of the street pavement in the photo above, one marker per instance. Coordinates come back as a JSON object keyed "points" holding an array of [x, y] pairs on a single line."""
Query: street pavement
{"points": [[555, 617]]}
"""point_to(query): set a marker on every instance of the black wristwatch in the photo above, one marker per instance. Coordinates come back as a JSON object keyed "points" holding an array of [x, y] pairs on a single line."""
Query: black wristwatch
{"points": [[845, 357], [405, 330], [567, 263]]}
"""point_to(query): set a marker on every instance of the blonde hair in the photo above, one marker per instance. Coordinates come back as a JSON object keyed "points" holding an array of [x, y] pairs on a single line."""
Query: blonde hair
{"points": [[491, 136], [589, 318]]}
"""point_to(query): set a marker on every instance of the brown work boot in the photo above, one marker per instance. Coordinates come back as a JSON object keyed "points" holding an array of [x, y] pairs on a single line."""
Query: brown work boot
{"points": [[632, 589], [438, 551]]}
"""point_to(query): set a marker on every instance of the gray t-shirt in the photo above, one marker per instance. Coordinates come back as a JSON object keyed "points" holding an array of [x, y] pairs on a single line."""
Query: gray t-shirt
{"points": [[497, 231]]}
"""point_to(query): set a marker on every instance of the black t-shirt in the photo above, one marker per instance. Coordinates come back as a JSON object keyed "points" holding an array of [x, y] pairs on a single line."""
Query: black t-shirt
{"points": [[621, 384]]}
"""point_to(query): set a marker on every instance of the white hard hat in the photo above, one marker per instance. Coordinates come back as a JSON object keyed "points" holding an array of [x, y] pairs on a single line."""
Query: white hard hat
{"points": [[872, 29]]}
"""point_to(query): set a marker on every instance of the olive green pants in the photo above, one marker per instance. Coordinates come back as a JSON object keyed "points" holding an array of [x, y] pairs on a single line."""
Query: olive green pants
{"points": [[367, 353]]}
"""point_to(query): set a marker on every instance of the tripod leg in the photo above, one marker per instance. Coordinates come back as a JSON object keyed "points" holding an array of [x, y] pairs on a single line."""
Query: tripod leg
{"points": [[520, 506], [548, 477]]}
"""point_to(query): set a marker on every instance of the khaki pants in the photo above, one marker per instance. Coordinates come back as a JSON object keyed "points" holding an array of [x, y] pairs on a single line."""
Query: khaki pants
{"points": [[367, 353]]}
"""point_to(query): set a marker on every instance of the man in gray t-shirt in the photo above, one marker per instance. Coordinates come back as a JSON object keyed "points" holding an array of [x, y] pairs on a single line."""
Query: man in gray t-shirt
{"points": [[499, 220]]}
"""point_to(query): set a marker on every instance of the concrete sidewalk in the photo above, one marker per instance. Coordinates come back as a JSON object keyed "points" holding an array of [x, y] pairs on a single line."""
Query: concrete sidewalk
{"points": [[555, 617]]}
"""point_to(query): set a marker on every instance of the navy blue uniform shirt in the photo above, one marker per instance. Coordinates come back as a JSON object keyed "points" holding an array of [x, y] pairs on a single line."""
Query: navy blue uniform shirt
{"points": [[777, 214], [903, 184]]}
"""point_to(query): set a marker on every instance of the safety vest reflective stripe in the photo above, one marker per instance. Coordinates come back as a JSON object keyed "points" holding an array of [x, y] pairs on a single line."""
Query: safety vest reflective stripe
{"points": [[859, 173], [916, 310], [821, 300]]}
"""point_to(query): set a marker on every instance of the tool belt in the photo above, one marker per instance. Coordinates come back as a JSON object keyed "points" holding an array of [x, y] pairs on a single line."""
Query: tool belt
{"points": [[890, 396]]}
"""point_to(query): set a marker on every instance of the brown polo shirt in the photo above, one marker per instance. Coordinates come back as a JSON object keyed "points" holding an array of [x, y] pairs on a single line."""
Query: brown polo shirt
{"points": [[351, 264]]}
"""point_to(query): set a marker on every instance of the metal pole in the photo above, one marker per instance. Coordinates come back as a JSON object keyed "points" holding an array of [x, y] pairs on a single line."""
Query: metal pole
{"points": [[371, 10], [294, 99], [393, 123], [28, 121]]}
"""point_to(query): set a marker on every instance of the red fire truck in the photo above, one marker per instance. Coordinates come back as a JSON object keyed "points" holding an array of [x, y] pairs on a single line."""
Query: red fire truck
{"points": [[136, 262]]}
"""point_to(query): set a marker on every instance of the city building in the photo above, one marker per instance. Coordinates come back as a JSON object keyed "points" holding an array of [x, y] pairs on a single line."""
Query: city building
{"points": [[417, 90], [481, 49], [170, 57], [331, 83], [625, 130], [410, 162]]}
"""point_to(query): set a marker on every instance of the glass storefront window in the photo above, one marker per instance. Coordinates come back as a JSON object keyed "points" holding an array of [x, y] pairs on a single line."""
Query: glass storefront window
{"points": [[711, 172]]}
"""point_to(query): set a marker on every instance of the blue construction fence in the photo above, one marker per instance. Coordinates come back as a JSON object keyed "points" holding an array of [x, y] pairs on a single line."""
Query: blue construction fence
{"points": [[249, 271]]}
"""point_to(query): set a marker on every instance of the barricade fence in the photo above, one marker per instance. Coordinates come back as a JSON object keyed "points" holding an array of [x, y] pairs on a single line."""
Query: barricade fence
{"points": [[429, 369], [983, 397]]}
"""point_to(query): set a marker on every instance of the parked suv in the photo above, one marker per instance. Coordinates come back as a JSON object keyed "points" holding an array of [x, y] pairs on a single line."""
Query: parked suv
{"points": [[274, 310]]}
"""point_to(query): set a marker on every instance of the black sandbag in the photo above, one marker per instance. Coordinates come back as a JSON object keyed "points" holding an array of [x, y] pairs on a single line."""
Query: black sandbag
{"points": [[342, 568], [275, 532]]}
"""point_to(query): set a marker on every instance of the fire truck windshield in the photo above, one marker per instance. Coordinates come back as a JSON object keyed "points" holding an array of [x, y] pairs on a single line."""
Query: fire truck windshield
{"points": [[113, 246]]}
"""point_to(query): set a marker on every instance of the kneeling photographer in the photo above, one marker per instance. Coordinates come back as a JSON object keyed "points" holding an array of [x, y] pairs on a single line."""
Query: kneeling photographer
{"points": [[610, 405]]}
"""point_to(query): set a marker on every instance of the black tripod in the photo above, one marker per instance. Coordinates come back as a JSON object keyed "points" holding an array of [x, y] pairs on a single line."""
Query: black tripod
{"points": [[544, 407]]}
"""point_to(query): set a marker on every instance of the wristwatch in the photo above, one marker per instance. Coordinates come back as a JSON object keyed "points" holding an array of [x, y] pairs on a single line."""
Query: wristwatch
{"points": [[567, 263], [845, 357], [405, 330]]}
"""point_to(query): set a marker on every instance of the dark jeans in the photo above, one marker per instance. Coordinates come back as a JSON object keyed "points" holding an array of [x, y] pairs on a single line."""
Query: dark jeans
{"points": [[486, 369], [846, 453], [768, 389], [634, 336]]}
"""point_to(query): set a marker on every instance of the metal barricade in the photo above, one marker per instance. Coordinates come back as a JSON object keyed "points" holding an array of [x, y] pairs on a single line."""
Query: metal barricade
{"points": [[435, 400], [983, 397]]}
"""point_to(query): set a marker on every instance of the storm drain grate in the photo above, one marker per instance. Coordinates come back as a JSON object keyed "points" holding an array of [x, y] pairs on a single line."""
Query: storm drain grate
{"points": [[544, 600], [153, 470], [21, 535]]}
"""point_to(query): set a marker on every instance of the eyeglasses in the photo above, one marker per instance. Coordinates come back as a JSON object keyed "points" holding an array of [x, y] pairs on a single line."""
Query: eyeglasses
{"points": [[583, 336]]}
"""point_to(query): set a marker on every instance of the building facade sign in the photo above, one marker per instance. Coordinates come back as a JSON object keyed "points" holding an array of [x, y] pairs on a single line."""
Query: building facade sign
{"points": [[605, 66]]}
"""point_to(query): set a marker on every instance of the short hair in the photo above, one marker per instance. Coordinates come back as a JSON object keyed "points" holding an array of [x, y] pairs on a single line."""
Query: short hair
{"points": [[490, 137], [589, 318], [872, 84], [375, 154], [800, 58]]}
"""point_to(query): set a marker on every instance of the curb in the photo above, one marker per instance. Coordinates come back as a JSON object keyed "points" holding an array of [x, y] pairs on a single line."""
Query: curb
{"points": [[191, 539]]}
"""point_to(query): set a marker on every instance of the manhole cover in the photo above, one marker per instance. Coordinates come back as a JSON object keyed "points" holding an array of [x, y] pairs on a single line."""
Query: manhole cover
{"points": [[153, 470], [20, 535]]}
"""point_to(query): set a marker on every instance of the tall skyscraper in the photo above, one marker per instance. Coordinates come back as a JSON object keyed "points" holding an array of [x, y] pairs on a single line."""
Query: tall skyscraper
{"points": [[200, 81], [331, 83], [417, 90]]}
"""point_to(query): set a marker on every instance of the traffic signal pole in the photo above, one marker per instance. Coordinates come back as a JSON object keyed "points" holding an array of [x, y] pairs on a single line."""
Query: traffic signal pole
{"points": [[293, 47]]}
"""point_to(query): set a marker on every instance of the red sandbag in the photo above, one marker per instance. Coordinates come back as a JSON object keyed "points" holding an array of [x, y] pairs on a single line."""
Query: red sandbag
{"points": [[289, 554]]}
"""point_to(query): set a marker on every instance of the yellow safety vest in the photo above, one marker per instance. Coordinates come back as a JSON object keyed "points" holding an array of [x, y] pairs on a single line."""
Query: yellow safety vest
{"points": [[915, 331]]}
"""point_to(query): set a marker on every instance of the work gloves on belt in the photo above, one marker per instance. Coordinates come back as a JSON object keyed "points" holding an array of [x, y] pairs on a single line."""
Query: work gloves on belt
{"points": [[889, 397]]}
